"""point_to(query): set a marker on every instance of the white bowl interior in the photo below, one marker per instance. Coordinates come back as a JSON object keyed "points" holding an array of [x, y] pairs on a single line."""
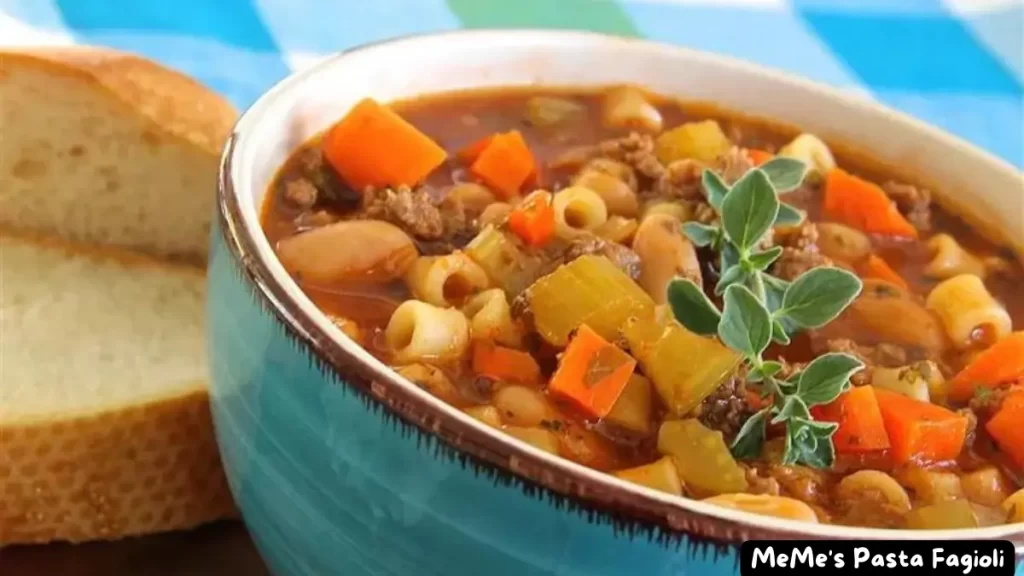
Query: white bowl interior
{"points": [[981, 186]]}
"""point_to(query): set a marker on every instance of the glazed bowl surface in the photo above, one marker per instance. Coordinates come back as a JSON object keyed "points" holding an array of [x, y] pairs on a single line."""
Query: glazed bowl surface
{"points": [[340, 466]]}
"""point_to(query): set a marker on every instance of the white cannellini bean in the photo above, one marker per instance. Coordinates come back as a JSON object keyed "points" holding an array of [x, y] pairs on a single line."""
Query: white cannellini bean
{"points": [[843, 243], [664, 254], [810, 149], [627, 108], [350, 249]]}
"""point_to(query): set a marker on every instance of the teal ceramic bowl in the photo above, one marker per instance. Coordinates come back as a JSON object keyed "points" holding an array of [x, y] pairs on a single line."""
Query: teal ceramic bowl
{"points": [[339, 466]]}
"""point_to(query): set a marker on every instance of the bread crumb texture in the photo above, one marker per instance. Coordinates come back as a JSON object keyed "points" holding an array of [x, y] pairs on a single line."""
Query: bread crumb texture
{"points": [[110, 149], [105, 427]]}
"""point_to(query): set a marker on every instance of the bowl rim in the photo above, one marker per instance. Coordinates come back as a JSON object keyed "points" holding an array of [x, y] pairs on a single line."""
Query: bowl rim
{"points": [[626, 503]]}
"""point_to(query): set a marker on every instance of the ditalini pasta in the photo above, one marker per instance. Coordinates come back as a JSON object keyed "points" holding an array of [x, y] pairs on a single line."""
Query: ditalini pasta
{"points": [[490, 318], [578, 211], [445, 280], [968, 312], [681, 297], [419, 331], [950, 259]]}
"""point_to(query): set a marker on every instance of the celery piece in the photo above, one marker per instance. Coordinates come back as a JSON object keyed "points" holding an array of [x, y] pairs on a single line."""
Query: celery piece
{"points": [[660, 475], [549, 111], [948, 515], [702, 458], [702, 141], [632, 410], [505, 263], [685, 367], [590, 290], [545, 440]]}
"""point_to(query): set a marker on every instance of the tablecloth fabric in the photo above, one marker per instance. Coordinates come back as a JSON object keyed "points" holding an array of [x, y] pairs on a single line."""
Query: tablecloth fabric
{"points": [[958, 64]]}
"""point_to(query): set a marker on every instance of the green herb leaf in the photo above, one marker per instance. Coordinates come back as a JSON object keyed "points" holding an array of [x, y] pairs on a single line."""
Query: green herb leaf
{"points": [[728, 257], [700, 234], [779, 332], [815, 448], [692, 308], [826, 377], [784, 173], [715, 188], [818, 296], [762, 260], [789, 454], [819, 429], [787, 387], [749, 210], [746, 325], [982, 393], [775, 289], [750, 439], [792, 407], [767, 368], [735, 274], [822, 456], [788, 215], [759, 308]]}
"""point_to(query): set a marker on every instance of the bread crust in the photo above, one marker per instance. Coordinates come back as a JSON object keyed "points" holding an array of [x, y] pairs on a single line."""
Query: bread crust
{"points": [[176, 105], [135, 469]]}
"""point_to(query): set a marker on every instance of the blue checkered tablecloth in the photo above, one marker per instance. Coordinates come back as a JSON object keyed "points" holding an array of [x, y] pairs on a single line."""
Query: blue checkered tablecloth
{"points": [[958, 64]]}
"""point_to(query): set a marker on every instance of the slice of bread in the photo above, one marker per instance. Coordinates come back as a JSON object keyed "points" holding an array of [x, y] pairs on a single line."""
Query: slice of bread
{"points": [[108, 148], [105, 426]]}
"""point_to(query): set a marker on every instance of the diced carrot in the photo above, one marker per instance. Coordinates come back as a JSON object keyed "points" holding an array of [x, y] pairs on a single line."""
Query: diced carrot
{"points": [[754, 399], [861, 428], [504, 364], [534, 219], [863, 205], [505, 163], [470, 153], [1001, 363], [758, 157], [920, 431], [374, 146], [876, 267], [1006, 427], [592, 373]]}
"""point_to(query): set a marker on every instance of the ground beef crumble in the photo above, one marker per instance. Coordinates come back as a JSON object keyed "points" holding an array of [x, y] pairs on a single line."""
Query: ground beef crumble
{"points": [[635, 150], [624, 258], [734, 164], [704, 213], [680, 181], [915, 203], [883, 354], [800, 252], [410, 209], [726, 409], [761, 484], [300, 193]]}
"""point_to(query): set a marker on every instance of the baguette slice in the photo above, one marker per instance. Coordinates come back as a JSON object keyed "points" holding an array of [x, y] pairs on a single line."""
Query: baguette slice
{"points": [[108, 148], [104, 415]]}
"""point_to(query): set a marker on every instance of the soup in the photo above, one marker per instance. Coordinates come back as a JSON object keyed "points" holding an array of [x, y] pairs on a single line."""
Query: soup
{"points": [[702, 303]]}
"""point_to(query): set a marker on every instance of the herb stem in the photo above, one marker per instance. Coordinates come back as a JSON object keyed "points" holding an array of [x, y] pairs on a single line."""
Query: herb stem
{"points": [[759, 289], [748, 321]]}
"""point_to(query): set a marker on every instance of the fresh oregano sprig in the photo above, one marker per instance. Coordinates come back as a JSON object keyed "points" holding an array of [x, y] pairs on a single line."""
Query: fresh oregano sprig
{"points": [[759, 308]]}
